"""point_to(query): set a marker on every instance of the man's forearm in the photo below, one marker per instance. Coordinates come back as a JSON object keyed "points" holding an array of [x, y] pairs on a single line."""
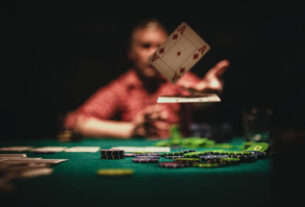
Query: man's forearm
{"points": [[93, 127]]}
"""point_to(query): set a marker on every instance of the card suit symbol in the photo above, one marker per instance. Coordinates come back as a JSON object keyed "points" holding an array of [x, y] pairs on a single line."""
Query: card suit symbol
{"points": [[202, 49], [181, 29], [182, 70], [175, 77], [155, 57], [161, 50], [175, 36], [178, 53], [195, 56]]}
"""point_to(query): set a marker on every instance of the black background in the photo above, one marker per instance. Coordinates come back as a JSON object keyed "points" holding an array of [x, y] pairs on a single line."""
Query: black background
{"points": [[55, 55]]}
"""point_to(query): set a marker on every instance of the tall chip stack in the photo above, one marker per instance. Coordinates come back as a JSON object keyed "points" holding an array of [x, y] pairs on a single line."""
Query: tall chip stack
{"points": [[112, 154]]}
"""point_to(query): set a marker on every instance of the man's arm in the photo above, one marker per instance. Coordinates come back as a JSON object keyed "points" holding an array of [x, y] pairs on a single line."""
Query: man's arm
{"points": [[92, 127], [150, 122]]}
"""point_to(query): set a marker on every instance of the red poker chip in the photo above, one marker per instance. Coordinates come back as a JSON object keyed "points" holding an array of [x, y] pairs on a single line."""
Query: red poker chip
{"points": [[172, 165], [145, 160]]}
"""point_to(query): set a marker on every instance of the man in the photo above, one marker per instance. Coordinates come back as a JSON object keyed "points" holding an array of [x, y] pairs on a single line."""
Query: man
{"points": [[134, 94]]}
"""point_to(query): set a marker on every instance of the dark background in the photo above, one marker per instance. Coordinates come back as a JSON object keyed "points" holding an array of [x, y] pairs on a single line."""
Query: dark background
{"points": [[57, 54]]}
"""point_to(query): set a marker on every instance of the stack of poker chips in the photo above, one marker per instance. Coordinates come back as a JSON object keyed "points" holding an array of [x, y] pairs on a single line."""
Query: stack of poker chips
{"points": [[112, 154], [187, 161], [146, 158], [208, 158]]}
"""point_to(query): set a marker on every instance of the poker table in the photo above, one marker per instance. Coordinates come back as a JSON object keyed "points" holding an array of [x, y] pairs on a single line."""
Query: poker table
{"points": [[75, 182]]}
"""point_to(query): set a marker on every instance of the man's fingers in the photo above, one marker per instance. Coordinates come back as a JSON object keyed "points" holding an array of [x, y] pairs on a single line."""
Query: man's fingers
{"points": [[161, 125], [156, 112], [220, 67]]}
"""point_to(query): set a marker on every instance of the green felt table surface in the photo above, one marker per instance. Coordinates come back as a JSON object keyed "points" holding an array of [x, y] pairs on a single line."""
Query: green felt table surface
{"points": [[75, 182]]}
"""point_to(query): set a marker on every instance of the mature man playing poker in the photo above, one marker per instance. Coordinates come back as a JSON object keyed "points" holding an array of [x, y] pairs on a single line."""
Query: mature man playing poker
{"points": [[134, 94]]}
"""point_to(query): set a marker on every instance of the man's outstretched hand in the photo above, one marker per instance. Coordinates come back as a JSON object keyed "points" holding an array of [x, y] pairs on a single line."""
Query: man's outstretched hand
{"points": [[212, 81]]}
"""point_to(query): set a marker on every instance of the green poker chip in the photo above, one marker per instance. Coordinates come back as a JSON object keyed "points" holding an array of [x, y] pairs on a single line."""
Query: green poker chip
{"points": [[177, 153], [207, 165], [196, 154], [237, 153], [261, 147], [215, 152]]}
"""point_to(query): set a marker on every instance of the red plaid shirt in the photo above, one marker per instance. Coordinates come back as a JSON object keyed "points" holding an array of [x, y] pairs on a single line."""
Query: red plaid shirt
{"points": [[127, 96]]}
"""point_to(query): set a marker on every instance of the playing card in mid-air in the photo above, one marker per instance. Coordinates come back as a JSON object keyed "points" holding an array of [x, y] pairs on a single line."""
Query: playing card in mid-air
{"points": [[179, 53], [189, 99]]}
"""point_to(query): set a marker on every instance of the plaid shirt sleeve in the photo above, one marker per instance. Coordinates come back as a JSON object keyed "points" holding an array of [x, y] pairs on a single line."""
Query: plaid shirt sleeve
{"points": [[103, 104]]}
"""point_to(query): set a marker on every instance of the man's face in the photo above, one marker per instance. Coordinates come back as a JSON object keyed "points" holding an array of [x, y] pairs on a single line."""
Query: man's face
{"points": [[145, 43]]}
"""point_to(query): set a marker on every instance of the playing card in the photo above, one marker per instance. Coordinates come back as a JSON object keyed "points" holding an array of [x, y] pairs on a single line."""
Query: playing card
{"points": [[15, 148], [179, 53], [82, 149], [36, 172], [14, 160], [12, 155], [48, 149], [189, 99], [142, 149]]}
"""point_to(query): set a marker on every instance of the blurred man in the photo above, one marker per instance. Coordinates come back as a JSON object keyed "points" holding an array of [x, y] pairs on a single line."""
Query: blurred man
{"points": [[133, 95]]}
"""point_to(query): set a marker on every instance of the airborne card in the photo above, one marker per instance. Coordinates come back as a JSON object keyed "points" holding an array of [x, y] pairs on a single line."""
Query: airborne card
{"points": [[179, 53]]}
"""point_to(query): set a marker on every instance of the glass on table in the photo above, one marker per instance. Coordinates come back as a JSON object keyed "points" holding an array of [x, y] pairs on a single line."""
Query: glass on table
{"points": [[257, 123]]}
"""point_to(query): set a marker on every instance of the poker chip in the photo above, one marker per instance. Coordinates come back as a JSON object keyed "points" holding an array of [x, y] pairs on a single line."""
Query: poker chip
{"points": [[245, 157], [145, 160], [152, 154], [179, 153], [148, 153], [172, 165], [207, 165], [115, 172], [212, 157], [189, 161], [148, 157], [129, 154], [261, 146], [215, 152], [226, 161], [196, 154], [258, 154], [112, 154], [231, 153], [174, 157]]}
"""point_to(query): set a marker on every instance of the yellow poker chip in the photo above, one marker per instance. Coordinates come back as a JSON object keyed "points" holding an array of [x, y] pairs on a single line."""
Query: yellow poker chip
{"points": [[117, 172]]}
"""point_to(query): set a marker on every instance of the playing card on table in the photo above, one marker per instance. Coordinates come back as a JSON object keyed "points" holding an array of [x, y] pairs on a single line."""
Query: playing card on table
{"points": [[142, 149], [48, 149], [15, 148], [16, 160], [83, 149], [179, 53], [12, 155]]}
